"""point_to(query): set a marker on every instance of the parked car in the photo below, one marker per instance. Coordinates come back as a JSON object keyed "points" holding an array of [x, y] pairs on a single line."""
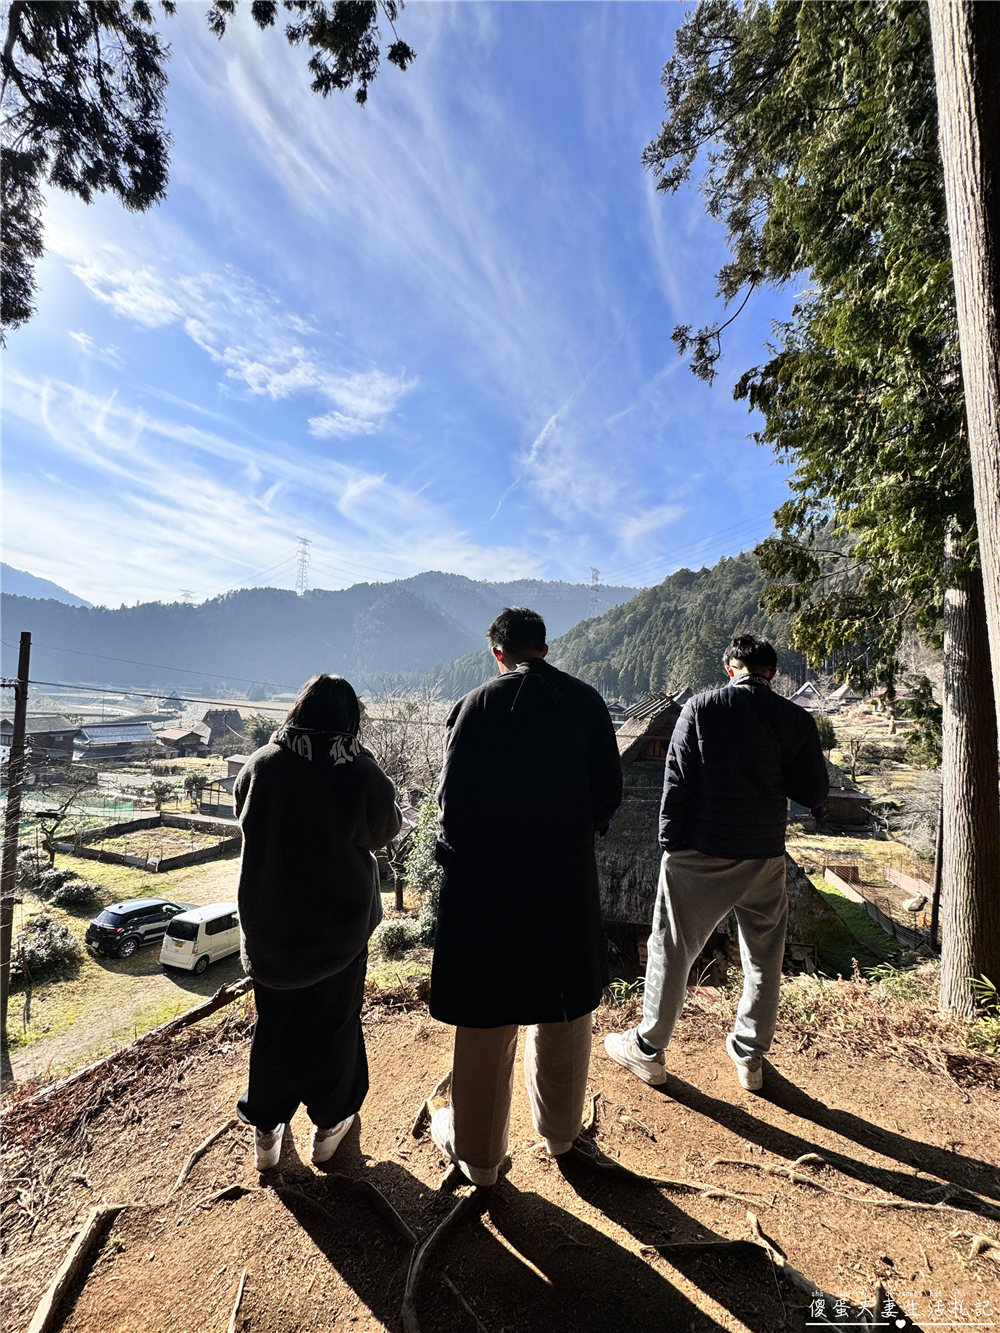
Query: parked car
{"points": [[200, 936], [124, 927]]}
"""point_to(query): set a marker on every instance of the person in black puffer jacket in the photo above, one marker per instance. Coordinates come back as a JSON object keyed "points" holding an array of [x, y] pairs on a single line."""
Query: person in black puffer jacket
{"points": [[313, 806], [735, 756]]}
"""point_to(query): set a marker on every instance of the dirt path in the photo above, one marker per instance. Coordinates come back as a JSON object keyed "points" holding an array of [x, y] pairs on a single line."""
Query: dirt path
{"points": [[554, 1250]]}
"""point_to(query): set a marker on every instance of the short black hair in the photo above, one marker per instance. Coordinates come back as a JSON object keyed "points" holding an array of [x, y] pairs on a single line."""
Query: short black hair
{"points": [[750, 651], [516, 629]]}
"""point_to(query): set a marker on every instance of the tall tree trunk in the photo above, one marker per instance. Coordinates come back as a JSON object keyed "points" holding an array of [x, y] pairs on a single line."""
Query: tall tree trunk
{"points": [[970, 803], [966, 40]]}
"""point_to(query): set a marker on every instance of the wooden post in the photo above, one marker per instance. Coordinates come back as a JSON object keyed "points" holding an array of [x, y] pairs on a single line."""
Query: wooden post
{"points": [[936, 895], [12, 823]]}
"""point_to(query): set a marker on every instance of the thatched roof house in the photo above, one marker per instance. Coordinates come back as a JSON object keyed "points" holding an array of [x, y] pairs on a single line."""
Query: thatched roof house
{"points": [[628, 856]]}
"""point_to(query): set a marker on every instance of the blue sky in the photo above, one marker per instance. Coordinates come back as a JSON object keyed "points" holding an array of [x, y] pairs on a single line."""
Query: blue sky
{"points": [[429, 333]]}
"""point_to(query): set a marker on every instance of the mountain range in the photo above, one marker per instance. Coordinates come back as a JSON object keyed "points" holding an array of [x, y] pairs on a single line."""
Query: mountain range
{"points": [[381, 634], [22, 584]]}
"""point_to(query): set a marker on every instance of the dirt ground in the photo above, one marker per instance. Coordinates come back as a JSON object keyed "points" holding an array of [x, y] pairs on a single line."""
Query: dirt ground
{"points": [[554, 1249]]}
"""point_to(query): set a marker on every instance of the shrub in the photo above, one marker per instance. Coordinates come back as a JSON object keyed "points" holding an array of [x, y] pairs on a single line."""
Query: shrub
{"points": [[421, 870], [50, 880], [76, 893], [42, 945], [30, 866], [394, 938], [827, 734]]}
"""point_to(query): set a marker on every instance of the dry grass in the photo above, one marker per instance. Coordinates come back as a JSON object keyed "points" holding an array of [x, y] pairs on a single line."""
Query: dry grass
{"points": [[890, 1014]]}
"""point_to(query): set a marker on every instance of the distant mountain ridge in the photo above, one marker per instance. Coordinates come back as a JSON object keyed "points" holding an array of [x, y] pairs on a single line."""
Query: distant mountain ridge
{"points": [[383, 634], [22, 584]]}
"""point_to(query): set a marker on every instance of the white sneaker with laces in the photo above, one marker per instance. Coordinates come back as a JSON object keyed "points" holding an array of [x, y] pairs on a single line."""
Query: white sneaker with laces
{"points": [[325, 1142], [267, 1147], [624, 1049], [443, 1134], [749, 1068]]}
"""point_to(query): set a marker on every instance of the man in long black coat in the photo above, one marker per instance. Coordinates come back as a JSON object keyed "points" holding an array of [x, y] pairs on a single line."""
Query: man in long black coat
{"points": [[531, 773]]}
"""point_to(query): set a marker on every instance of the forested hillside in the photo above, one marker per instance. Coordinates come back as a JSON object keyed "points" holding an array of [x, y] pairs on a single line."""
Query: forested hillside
{"points": [[673, 635], [377, 634]]}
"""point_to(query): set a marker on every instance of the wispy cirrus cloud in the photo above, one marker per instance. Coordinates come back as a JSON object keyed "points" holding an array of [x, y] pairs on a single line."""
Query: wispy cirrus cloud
{"points": [[128, 499], [260, 343]]}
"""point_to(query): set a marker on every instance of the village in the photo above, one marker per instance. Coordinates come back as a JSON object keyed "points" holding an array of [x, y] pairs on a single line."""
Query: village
{"points": [[499, 744], [861, 906], [132, 795]]}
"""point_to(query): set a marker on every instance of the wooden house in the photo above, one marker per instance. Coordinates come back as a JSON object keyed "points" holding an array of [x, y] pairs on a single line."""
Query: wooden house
{"points": [[217, 798], [46, 735], [111, 740], [810, 697], [183, 741], [222, 723]]}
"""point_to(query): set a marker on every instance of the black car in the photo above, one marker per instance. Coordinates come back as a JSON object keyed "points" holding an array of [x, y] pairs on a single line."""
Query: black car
{"points": [[124, 927]]}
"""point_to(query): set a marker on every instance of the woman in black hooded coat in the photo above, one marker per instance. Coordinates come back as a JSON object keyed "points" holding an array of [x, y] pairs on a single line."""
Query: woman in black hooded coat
{"points": [[313, 806]]}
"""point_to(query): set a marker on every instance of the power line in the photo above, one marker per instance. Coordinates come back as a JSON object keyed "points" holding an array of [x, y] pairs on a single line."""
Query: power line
{"points": [[677, 550], [153, 666]]}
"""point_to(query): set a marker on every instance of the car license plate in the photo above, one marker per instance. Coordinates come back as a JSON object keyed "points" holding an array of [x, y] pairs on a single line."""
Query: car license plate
{"points": [[178, 944]]}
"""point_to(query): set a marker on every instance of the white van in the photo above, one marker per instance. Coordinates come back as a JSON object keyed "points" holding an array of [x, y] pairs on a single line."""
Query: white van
{"points": [[200, 936]]}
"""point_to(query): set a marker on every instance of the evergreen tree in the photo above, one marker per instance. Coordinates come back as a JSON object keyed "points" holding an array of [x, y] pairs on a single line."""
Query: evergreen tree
{"points": [[83, 88], [822, 121]]}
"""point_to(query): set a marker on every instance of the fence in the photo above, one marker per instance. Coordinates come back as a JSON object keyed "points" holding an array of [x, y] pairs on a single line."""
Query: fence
{"points": [[847, 879]]}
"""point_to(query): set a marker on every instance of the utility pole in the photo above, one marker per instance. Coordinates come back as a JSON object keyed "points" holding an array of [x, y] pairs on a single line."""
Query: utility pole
{"points": [[595, 593], [12, 822], [302, 576]]}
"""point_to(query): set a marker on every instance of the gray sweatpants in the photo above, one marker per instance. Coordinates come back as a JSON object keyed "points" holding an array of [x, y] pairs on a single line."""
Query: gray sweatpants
{"points": [[694, 894]]}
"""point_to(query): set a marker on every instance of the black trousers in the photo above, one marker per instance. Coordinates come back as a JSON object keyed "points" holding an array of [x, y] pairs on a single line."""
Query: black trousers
{"points": [[308, 1047]]}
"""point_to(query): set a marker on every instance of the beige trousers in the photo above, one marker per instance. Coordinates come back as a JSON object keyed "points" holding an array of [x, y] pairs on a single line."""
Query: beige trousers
{"points": [[556, 1065]]}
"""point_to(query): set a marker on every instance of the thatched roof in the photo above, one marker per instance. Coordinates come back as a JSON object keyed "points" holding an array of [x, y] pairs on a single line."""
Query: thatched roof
{"points": [[651, 719]]}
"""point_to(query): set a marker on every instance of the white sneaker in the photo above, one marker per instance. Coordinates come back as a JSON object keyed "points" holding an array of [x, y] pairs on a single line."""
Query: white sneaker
{"points": [[267, 1147], [443, 1134], [624, 1049], [749, 1068], [325, 1142]]}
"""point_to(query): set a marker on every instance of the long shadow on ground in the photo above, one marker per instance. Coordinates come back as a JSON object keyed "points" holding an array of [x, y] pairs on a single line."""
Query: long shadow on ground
{"points": [[966, 1172]]}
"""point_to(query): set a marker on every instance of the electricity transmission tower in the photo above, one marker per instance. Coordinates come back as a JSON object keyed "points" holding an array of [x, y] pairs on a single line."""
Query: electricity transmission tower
{"points": [[595, 593], [302, 575]]}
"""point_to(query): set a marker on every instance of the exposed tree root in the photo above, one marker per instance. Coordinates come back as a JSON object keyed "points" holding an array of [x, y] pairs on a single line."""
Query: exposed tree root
{"points": [[590, 1123], [233, 1318], [201, 1150], [782, 1265], [474, 1201], [426, 1110], [980, 1244], [219, 1196], [374, 1196], [45, 1315], [479, 1326], [796, 1177]]}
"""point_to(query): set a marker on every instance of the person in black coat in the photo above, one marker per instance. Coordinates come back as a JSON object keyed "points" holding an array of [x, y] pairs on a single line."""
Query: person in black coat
{"points": [[735, 756], [531, 773], [313, 806]]}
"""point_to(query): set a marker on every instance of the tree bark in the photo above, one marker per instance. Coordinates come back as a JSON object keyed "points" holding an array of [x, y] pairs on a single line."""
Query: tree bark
{"points": [[966, 41], [970, 803]]}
